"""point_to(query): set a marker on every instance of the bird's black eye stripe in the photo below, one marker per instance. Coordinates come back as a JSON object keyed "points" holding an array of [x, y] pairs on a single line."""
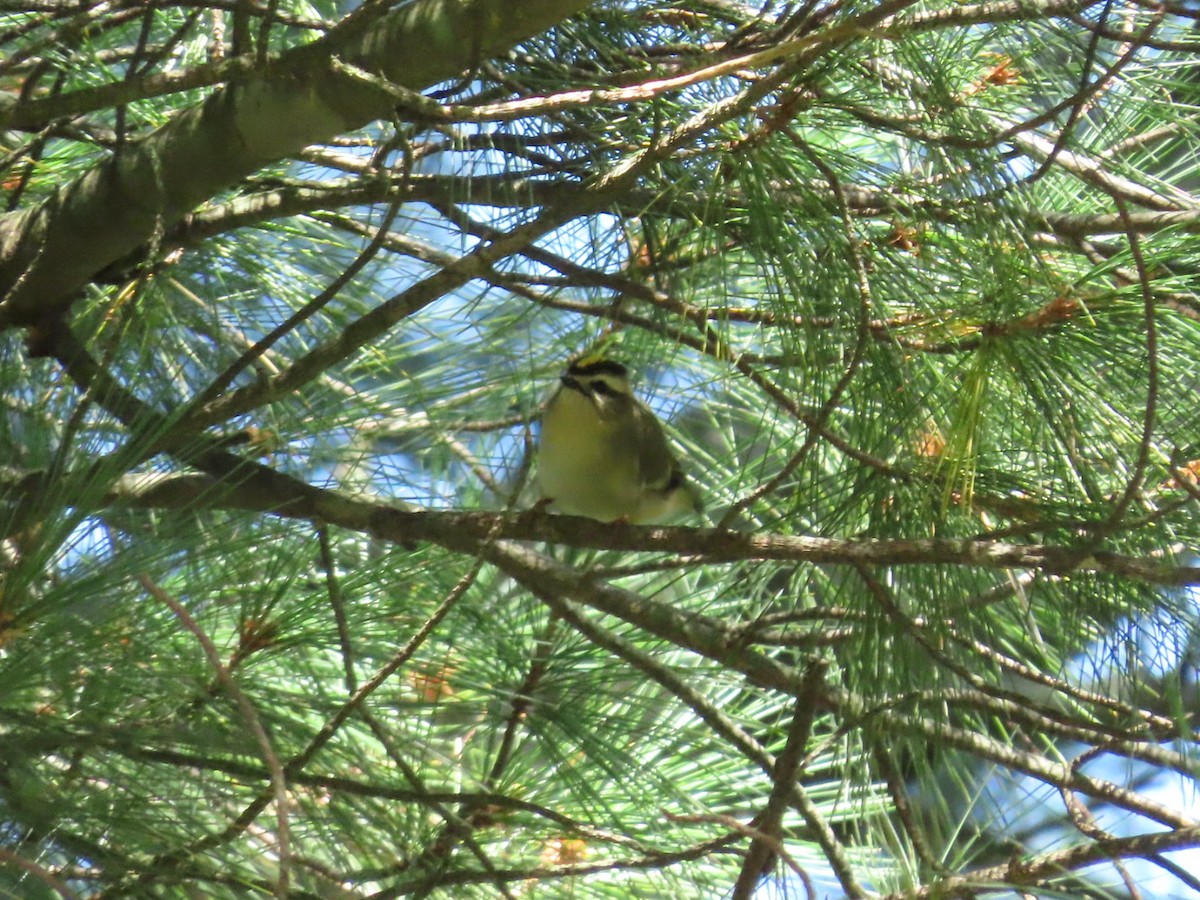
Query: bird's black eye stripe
{"points": [[602, 388]]}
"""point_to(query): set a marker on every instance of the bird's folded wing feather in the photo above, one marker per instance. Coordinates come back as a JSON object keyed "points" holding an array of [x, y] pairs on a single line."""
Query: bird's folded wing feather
{"points": [[659, 470]]}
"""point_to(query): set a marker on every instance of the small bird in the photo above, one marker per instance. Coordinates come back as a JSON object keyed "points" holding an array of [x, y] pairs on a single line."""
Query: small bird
{"points": [[602, 454]]}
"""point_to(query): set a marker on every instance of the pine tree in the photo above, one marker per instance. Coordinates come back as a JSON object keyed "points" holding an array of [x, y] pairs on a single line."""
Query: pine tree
{"points": [[283, 289]]}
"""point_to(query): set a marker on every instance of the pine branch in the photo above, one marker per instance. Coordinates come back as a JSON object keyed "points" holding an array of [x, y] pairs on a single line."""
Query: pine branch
{"points": [[256, 488], [297, 100], [1046, 868]]}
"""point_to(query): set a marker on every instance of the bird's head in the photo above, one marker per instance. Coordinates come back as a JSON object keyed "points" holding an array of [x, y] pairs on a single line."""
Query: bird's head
{"points": [[597, 378]]}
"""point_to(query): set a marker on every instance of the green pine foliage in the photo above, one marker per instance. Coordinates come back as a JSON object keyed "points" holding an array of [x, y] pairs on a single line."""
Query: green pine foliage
{"points": [[913, 286]]}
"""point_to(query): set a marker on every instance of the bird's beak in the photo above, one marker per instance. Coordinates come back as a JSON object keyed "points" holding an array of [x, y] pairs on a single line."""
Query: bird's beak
{"points": [[572, 383]]}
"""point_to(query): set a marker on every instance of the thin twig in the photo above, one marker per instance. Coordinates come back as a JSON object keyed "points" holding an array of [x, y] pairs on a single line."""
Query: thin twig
{"points": [[222, 382], [755, 834], [817, 424], [9, 858], [278, 776], [455, 823], [759, 856], [334, 589]]}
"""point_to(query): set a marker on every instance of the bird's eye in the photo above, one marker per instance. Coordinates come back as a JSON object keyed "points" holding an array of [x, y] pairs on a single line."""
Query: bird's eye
{"points": [[602, 388]]}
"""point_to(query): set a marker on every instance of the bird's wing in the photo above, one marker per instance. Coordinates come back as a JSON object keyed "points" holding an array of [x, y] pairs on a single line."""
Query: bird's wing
{"points": [[658, 470]]}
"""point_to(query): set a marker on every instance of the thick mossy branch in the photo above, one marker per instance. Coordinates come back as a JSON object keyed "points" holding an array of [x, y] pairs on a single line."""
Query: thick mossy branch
{"points": [[48, 252]]}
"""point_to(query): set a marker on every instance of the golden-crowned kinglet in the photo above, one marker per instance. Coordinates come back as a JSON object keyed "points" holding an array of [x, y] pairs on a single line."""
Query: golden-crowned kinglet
{"points": [[603, 455]]}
